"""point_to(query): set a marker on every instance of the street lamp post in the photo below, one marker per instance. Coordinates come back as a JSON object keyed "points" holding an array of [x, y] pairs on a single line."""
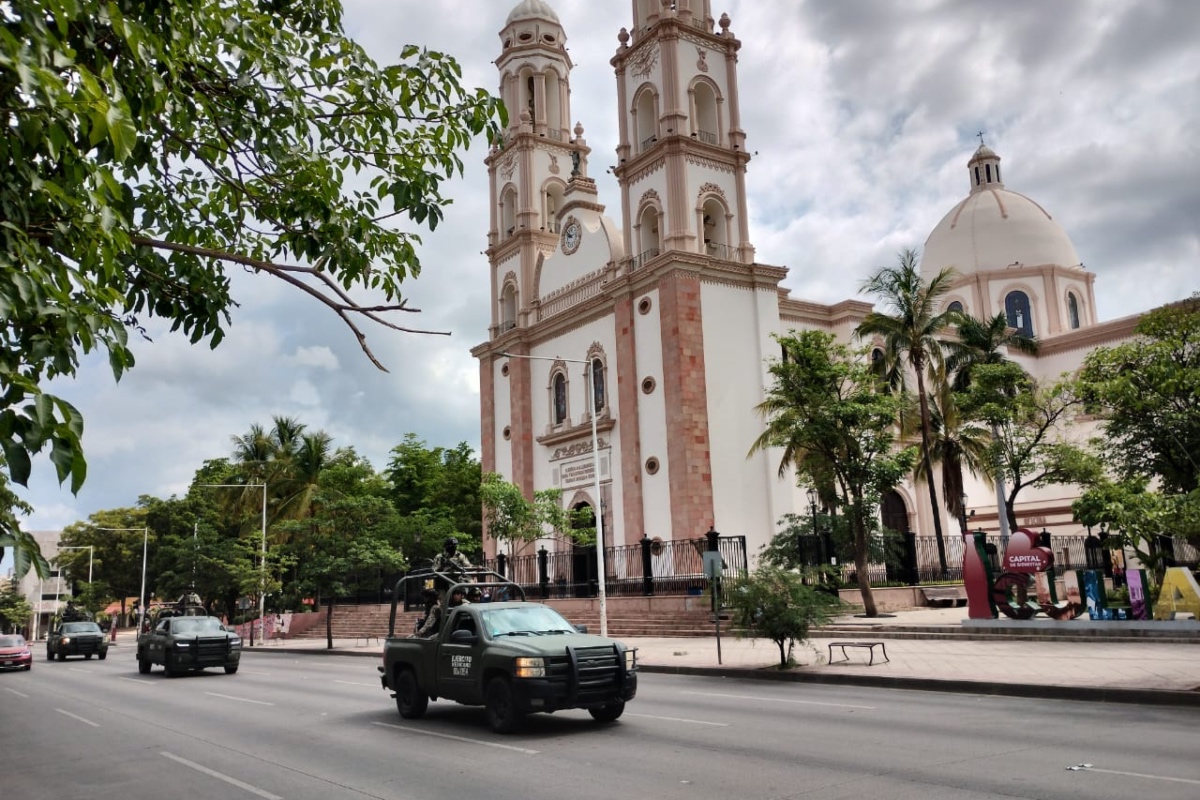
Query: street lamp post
{"points": [[262, 593], [598, 510], [812, 509], [91, 553]]}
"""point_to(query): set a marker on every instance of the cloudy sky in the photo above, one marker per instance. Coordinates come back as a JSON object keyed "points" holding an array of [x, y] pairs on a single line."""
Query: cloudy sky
{"points": [[862, 115]]}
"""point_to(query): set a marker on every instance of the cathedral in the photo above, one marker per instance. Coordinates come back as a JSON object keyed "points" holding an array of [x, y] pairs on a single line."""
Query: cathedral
{"points": [[626, 355]]}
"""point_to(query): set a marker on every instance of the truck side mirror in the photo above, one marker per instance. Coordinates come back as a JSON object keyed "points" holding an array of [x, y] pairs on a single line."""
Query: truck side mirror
{"points": [[581, 628], [463, 637]]}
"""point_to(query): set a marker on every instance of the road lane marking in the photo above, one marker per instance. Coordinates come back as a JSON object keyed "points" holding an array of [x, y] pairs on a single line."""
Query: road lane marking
{"points": [[76, 716], [147, 681], [427, 732], [18, 694], [777, 700], [1086, 768], [680, 719], [239, 699], [357, 683], [221, 777]]}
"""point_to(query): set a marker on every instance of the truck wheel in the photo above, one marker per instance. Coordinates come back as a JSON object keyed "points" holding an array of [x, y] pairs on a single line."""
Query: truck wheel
{"points": [[502, 713], [411, 702], [231, 669], [143, 666], [87, 657], [169, 668], [103, 655], [608, 713], [62, 656], [49, 654]]}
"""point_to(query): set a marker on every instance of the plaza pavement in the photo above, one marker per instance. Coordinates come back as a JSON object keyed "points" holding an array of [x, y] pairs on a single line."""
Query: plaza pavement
{"points": [[927, 649]]}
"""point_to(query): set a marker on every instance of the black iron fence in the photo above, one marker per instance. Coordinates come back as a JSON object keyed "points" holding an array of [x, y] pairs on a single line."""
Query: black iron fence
{"points": [[638, 570], [913, 560]]}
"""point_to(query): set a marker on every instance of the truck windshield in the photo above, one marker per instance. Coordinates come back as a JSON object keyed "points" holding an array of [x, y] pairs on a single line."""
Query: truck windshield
{"points": [[533, 620], [195, 625]]}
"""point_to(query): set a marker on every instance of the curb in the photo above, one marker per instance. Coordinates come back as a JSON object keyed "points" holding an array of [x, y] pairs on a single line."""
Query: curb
{"points": [[1101, 694]]}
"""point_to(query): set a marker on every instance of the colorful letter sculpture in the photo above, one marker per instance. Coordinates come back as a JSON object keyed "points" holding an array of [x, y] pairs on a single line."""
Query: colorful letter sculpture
{"points": [[1008, 592], [1180, 592]]}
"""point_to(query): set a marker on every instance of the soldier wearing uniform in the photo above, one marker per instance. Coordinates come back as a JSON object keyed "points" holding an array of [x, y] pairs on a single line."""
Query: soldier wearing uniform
{"points": [[450, 559]]}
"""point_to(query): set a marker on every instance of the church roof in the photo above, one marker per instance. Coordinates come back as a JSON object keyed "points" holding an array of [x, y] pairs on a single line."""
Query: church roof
{"points": [[532, 9], [995, 229]]}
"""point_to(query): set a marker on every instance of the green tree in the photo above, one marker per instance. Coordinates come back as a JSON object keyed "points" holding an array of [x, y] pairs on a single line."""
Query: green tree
{"points": [[15, 611], [1147, 394], [437, 491], [146, 148], [117, 537], [27, 554], [833, 421], [1032, 424], [912, 330], [1135, 516], [957, 443], [774, 604], [349, 540], [512, 517]]}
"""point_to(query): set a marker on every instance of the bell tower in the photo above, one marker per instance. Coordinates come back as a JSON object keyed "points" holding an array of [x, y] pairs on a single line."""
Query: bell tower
{"points": [[529, 173], [682, 153]]}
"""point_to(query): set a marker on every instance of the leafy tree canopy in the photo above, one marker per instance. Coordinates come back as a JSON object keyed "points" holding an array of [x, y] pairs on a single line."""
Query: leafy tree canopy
{"points": [[775, 604], [148, 147], [512, 517]]}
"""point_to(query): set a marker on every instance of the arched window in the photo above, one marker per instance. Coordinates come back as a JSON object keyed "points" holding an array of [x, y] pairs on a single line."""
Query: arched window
{"points": [[956, 307], [560, 398], [508, 308], [1016, 309], [1072, 310], [598, 387]]}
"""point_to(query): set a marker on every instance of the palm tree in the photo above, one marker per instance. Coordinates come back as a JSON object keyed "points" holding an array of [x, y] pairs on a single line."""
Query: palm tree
{"points": [[911, 335], [983, 342], [986, 342]]}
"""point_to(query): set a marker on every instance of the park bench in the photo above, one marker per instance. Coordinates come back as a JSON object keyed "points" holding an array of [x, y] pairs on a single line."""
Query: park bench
{"points": [[869, 646], [945, 595]]}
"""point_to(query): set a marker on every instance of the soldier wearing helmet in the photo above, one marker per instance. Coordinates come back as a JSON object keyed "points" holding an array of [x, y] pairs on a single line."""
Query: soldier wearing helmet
{"points": [[450, 559]]}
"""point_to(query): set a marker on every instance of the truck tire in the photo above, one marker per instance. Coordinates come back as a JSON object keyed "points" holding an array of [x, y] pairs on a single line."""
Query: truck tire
{"points": [[502, 712], [608, 713], [62, 656], [143, 665], [49, 654], [169, 667], [411, 702], [231, 669], [102, 655]]}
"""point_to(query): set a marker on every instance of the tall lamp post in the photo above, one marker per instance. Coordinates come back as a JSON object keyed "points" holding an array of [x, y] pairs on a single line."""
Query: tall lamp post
{"points": [[142, 594], [812, 509], [262, 592], [91, 553], [598, 511]]}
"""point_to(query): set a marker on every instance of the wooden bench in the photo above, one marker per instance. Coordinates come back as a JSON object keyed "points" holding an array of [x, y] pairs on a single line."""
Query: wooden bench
{"points": [[870, 647], [950, 596], [366, 639]]}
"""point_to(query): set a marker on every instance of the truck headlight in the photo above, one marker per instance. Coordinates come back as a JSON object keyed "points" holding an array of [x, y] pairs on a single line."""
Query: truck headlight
{"points": [[235, 642], [530, 667], [66, 640], [631, 658]]}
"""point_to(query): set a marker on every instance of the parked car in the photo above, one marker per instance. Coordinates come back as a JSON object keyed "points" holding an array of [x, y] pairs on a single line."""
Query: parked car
{"points": [[15, 653], [76, 639]]}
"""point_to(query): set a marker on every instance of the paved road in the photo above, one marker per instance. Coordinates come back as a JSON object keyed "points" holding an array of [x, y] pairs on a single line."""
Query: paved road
{"points": [[301, 726]]}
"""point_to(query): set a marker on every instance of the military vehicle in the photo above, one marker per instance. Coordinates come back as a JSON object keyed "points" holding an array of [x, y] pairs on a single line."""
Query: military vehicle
{"points": [[76, 638], [187, 642], [512, 656]]}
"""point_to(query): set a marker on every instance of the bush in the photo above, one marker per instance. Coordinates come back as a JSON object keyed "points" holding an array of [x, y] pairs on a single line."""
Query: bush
{"points": [[775, 604]]}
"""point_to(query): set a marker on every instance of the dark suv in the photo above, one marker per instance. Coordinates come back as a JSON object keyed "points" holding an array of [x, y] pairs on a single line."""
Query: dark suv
{"points": [[76, 639], [188, 644]]}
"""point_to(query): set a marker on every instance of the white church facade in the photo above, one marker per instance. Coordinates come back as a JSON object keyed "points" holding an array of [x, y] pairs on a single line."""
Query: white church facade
{"points": [[660, 322]]}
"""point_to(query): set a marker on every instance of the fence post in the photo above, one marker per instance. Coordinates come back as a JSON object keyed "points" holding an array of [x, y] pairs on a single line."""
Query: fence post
{"points": [[544, 571], [647, 567], [501, 560], [714, 547], [912, 569]]}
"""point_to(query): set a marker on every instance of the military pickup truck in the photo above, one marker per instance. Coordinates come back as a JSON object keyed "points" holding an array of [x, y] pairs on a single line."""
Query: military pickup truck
{"points": [[188, 644], [513, 657]]}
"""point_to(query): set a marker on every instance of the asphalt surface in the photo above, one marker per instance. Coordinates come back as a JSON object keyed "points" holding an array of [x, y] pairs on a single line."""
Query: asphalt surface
{"points": [[931, 650]]}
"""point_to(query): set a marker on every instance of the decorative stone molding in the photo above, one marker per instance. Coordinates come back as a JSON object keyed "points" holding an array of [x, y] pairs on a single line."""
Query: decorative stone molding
{"points": [[643, 62], [711, 188], [701, 64]]}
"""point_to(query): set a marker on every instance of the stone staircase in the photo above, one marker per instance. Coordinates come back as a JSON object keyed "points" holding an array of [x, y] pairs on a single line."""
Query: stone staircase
{"points": [[357, 622]]}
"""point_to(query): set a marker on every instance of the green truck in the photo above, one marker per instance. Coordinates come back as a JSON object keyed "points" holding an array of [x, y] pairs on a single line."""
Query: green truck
{"points": [[511, 656]]}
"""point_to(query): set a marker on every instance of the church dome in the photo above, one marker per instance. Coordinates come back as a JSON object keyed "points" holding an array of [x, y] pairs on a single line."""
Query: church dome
{"points": [[994, 229], [532, 9]]}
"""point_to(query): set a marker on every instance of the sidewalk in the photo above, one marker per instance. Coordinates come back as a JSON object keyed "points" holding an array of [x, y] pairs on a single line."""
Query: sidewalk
{"points": [[1093, 668]]}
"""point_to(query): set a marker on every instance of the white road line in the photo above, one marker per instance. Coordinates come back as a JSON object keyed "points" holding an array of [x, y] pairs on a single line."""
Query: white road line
{"points": [[147, 681], [76, 716], [777, 700], [427, 732], [680, 719], [14, 691], [356, 683], [239, 699], [1141, 775], [220, 777]]}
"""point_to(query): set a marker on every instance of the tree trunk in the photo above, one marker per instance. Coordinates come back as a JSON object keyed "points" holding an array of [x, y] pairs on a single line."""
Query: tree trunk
{"points": [[919, 367], [782, 653], [860, 568]]}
